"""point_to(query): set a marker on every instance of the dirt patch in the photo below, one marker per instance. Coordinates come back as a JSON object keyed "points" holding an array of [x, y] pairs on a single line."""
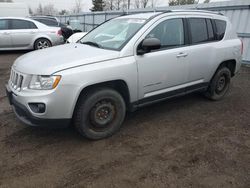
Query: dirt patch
{"points": [[185, 142]]}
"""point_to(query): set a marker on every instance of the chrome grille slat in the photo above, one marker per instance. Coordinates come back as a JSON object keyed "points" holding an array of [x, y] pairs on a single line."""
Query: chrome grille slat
{"points": [[20, 81], [16, 80]]}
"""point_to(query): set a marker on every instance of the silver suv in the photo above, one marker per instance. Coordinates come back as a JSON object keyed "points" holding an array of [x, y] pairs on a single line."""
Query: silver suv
{"points": [[126, 63]]}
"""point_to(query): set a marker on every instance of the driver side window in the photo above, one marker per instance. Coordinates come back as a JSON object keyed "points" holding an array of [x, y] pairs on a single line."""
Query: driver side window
{"points": [[169, 32]]}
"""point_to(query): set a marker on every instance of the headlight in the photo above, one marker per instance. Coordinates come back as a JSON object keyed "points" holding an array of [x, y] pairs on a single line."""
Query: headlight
{"points": [[44, 82]]}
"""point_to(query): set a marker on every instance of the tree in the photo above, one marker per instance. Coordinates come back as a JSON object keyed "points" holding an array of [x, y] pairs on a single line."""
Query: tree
{"points": [[154, 3], [181, 2], [78, 7], [141, 3], [63, 12], [30, 11], [49, 9], [98, 5], [39, 9], [118, 4], [109, 5], [129, 4], [206, 1], [124, 5]]}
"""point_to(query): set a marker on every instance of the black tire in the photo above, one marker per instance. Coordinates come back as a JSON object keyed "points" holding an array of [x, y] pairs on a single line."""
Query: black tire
{"points": [[219, 84], [42, 43], [100, 113]]}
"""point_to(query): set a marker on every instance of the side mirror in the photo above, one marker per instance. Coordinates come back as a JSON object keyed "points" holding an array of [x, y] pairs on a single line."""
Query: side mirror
{"points": [[148, 45]]}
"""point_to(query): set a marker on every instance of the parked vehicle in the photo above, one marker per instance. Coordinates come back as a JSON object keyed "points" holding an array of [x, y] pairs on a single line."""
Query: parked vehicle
{"points": [[125, 63], [14, 9], [75, 25], [76, 37], [54, 22], [24, 33]]}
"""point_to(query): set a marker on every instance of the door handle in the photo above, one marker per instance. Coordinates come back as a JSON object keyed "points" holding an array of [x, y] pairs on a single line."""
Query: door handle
{"points": [[6, 33], [182, 54], [32, 32]]}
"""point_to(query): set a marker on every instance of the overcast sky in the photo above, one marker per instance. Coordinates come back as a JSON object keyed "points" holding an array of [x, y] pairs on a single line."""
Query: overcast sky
{"points": [[68, 4]]}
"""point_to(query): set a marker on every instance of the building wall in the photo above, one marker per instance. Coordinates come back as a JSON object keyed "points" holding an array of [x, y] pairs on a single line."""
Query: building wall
{"points": [[237, 11]]}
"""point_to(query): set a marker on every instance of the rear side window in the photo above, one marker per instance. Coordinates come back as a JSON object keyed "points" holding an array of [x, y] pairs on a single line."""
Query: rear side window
{"points": [[210, 30], [3, 24], [198, 30], [220, 29], [22, 24]]}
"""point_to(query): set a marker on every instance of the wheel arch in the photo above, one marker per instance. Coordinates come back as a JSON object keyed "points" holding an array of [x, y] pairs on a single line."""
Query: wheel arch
{"points": [[230, 64], [118, 85]]}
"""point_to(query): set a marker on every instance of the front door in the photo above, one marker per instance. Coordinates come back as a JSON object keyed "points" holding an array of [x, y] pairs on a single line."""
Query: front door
{"points": [[165, 70]]}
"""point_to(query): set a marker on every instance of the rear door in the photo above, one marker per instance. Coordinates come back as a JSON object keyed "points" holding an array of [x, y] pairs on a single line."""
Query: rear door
{"points": [[5, 38], [22, 32], [201, 51]]}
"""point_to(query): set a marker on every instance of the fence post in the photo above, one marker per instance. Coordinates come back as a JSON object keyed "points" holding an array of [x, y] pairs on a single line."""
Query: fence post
{"points": [[93, 21], [84, 23], [105, 19]]}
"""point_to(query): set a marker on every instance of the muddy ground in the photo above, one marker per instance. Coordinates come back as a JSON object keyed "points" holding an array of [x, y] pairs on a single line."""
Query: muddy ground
{"points": [[185, 142]]}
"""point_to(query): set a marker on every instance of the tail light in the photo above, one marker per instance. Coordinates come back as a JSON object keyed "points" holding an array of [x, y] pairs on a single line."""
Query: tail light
{"points": [[59, 32], [242, 47]]}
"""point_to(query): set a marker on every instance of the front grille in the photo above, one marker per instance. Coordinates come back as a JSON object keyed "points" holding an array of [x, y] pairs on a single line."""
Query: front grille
{"points": [[16, 80]]}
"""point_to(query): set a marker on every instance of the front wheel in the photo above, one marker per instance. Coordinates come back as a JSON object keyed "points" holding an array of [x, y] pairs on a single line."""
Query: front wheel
{"points": [[219, 85], [100, 113]]}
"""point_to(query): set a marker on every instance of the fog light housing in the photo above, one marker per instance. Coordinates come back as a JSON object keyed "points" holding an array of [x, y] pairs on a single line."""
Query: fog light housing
{"points": [[37, 107]]}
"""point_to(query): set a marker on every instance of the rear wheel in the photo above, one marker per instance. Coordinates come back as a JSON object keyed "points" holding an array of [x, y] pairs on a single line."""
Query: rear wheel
{"points": [[100, 113], [42, 43], [219, 85]]}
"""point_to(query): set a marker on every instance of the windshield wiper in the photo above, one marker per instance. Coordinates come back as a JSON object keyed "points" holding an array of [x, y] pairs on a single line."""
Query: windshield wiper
{"points": [[91, 44]]}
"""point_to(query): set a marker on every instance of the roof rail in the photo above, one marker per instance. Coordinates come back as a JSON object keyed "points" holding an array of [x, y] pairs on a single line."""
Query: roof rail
{"points": [[201, 11]]}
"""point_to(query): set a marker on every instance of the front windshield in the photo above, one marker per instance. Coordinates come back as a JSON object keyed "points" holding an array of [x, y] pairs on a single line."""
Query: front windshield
{"points": [[113, 34]]}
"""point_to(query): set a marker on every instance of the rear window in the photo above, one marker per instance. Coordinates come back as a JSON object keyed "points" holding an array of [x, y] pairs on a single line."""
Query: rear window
{"points": [[220, 29], [22, 24], [198, 30], [47, 22], [3, 24]]}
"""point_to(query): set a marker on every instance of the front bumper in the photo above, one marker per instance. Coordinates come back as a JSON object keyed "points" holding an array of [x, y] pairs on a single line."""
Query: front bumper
{"points": [[24, 115]]}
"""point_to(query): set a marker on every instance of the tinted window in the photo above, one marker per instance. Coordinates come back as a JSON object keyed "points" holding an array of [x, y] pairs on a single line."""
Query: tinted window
{"points": [[220, 27], [169, 32], [47, 22], [210, 30], [3, 24], [22, 24], [46, 18], [198, 29]]}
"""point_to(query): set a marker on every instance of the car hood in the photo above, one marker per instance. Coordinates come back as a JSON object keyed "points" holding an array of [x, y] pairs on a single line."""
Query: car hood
{"points": [[54, 59]]}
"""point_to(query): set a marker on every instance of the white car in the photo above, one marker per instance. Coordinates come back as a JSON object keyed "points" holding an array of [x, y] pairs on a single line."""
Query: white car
{"points": [[76, 37], [24, 33]]}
